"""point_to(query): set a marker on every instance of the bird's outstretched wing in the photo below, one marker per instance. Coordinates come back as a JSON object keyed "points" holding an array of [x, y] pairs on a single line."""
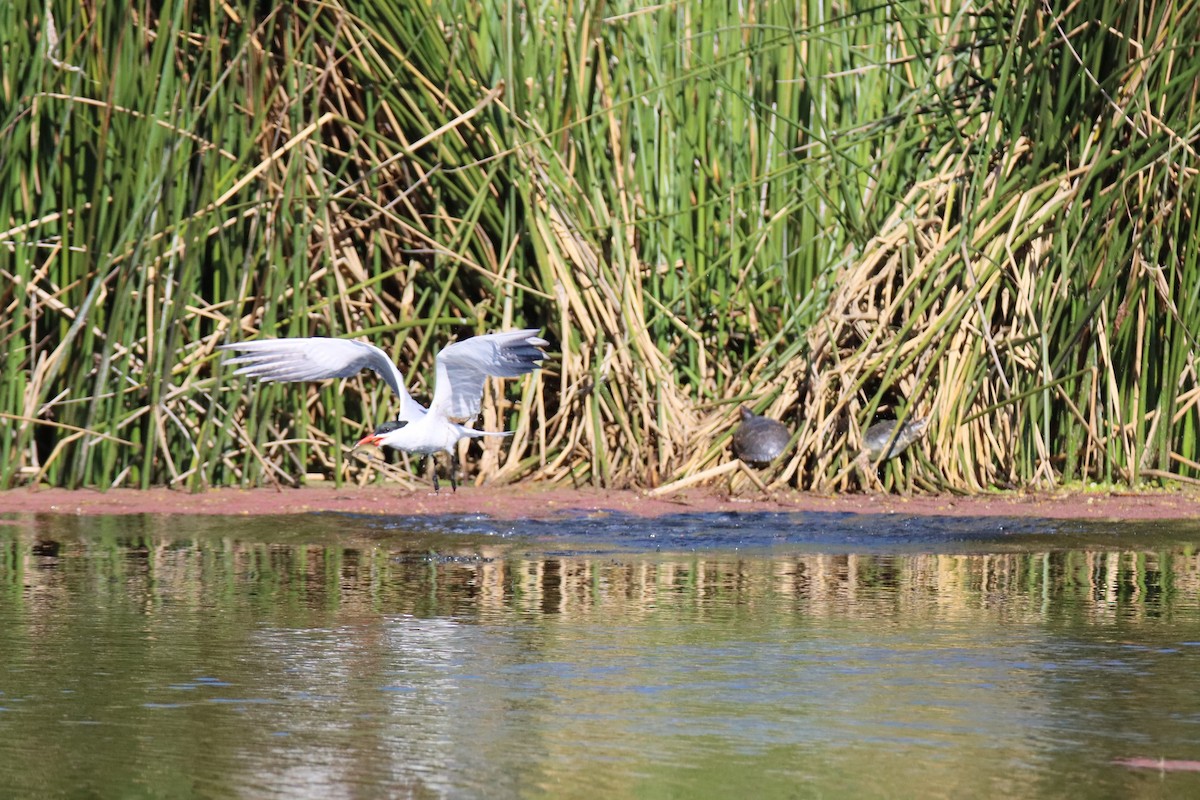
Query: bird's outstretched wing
{"points": [[318, 358], [463, 367]]}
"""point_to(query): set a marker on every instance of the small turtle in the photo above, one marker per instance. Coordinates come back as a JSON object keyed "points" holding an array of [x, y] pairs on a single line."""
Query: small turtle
{"points": [[758, 440], [876, 437]]}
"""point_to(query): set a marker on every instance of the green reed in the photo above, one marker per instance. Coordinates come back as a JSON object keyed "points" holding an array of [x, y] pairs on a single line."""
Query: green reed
{"points": [[830, 213]]}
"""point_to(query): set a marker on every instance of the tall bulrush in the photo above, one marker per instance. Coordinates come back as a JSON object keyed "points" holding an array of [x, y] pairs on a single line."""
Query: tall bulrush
{"points": [[830, 213], [1030, 287]]}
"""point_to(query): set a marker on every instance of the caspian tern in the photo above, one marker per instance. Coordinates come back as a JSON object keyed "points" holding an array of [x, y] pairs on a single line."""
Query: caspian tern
{"points": [[462, 368]]}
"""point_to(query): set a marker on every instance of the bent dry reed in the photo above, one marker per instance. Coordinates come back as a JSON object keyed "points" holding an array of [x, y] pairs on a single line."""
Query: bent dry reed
{"points": [[834, 214]]}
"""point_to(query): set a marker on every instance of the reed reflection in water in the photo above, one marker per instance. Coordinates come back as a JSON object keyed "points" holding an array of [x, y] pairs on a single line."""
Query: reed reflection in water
{"points": [[344, 657]]}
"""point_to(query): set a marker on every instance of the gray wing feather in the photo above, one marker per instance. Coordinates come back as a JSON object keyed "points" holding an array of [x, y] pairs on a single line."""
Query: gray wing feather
{"points": [[463, 367], [315, 359]]}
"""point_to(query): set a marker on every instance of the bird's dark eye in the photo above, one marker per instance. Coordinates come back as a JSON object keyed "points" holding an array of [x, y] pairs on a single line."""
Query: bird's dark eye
{"points": [[390, 426]]}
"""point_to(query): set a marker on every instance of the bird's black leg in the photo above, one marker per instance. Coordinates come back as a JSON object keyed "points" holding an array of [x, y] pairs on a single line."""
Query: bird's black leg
{"points": [[454, 470], [432, 459]]}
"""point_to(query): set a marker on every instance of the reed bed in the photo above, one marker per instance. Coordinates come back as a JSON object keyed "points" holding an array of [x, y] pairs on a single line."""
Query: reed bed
{"points": [[833, 213]]}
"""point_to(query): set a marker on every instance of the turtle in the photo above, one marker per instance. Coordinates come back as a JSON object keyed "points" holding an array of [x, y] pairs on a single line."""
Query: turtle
{"points": [[759, 440], [876, 437]]}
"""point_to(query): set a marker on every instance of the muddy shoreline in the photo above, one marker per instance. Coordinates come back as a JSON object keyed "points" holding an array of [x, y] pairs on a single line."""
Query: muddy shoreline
{"points": [[540, 502]]}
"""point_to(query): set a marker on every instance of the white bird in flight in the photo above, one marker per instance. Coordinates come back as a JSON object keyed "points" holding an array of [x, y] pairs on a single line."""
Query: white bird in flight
{"points": [[462, 368]]}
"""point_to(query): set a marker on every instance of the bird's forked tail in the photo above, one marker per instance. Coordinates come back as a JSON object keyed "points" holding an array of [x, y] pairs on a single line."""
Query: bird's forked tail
{"points": [[474, 434]]}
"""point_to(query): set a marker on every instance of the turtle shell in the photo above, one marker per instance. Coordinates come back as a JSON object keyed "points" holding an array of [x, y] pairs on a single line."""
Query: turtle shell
{"points": [[876, 437], [758, 440]]}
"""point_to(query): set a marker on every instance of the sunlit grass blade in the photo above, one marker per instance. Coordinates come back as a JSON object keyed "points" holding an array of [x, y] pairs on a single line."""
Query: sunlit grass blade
{"points": [[982, 216]]}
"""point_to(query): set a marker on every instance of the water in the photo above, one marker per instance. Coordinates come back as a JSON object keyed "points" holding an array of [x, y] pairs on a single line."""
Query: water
{"points": [[757, 655]]}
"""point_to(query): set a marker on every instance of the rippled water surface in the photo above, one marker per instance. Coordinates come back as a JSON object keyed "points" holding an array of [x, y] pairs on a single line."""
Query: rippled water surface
{"points": [[756, 655]]}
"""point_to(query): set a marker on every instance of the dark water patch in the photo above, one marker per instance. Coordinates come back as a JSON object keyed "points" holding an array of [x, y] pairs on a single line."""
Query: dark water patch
{"points": [[831, 532]]}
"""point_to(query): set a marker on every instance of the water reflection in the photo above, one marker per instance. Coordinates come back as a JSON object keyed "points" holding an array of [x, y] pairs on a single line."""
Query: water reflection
{"points": [[338, 656], [285, 565]]}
